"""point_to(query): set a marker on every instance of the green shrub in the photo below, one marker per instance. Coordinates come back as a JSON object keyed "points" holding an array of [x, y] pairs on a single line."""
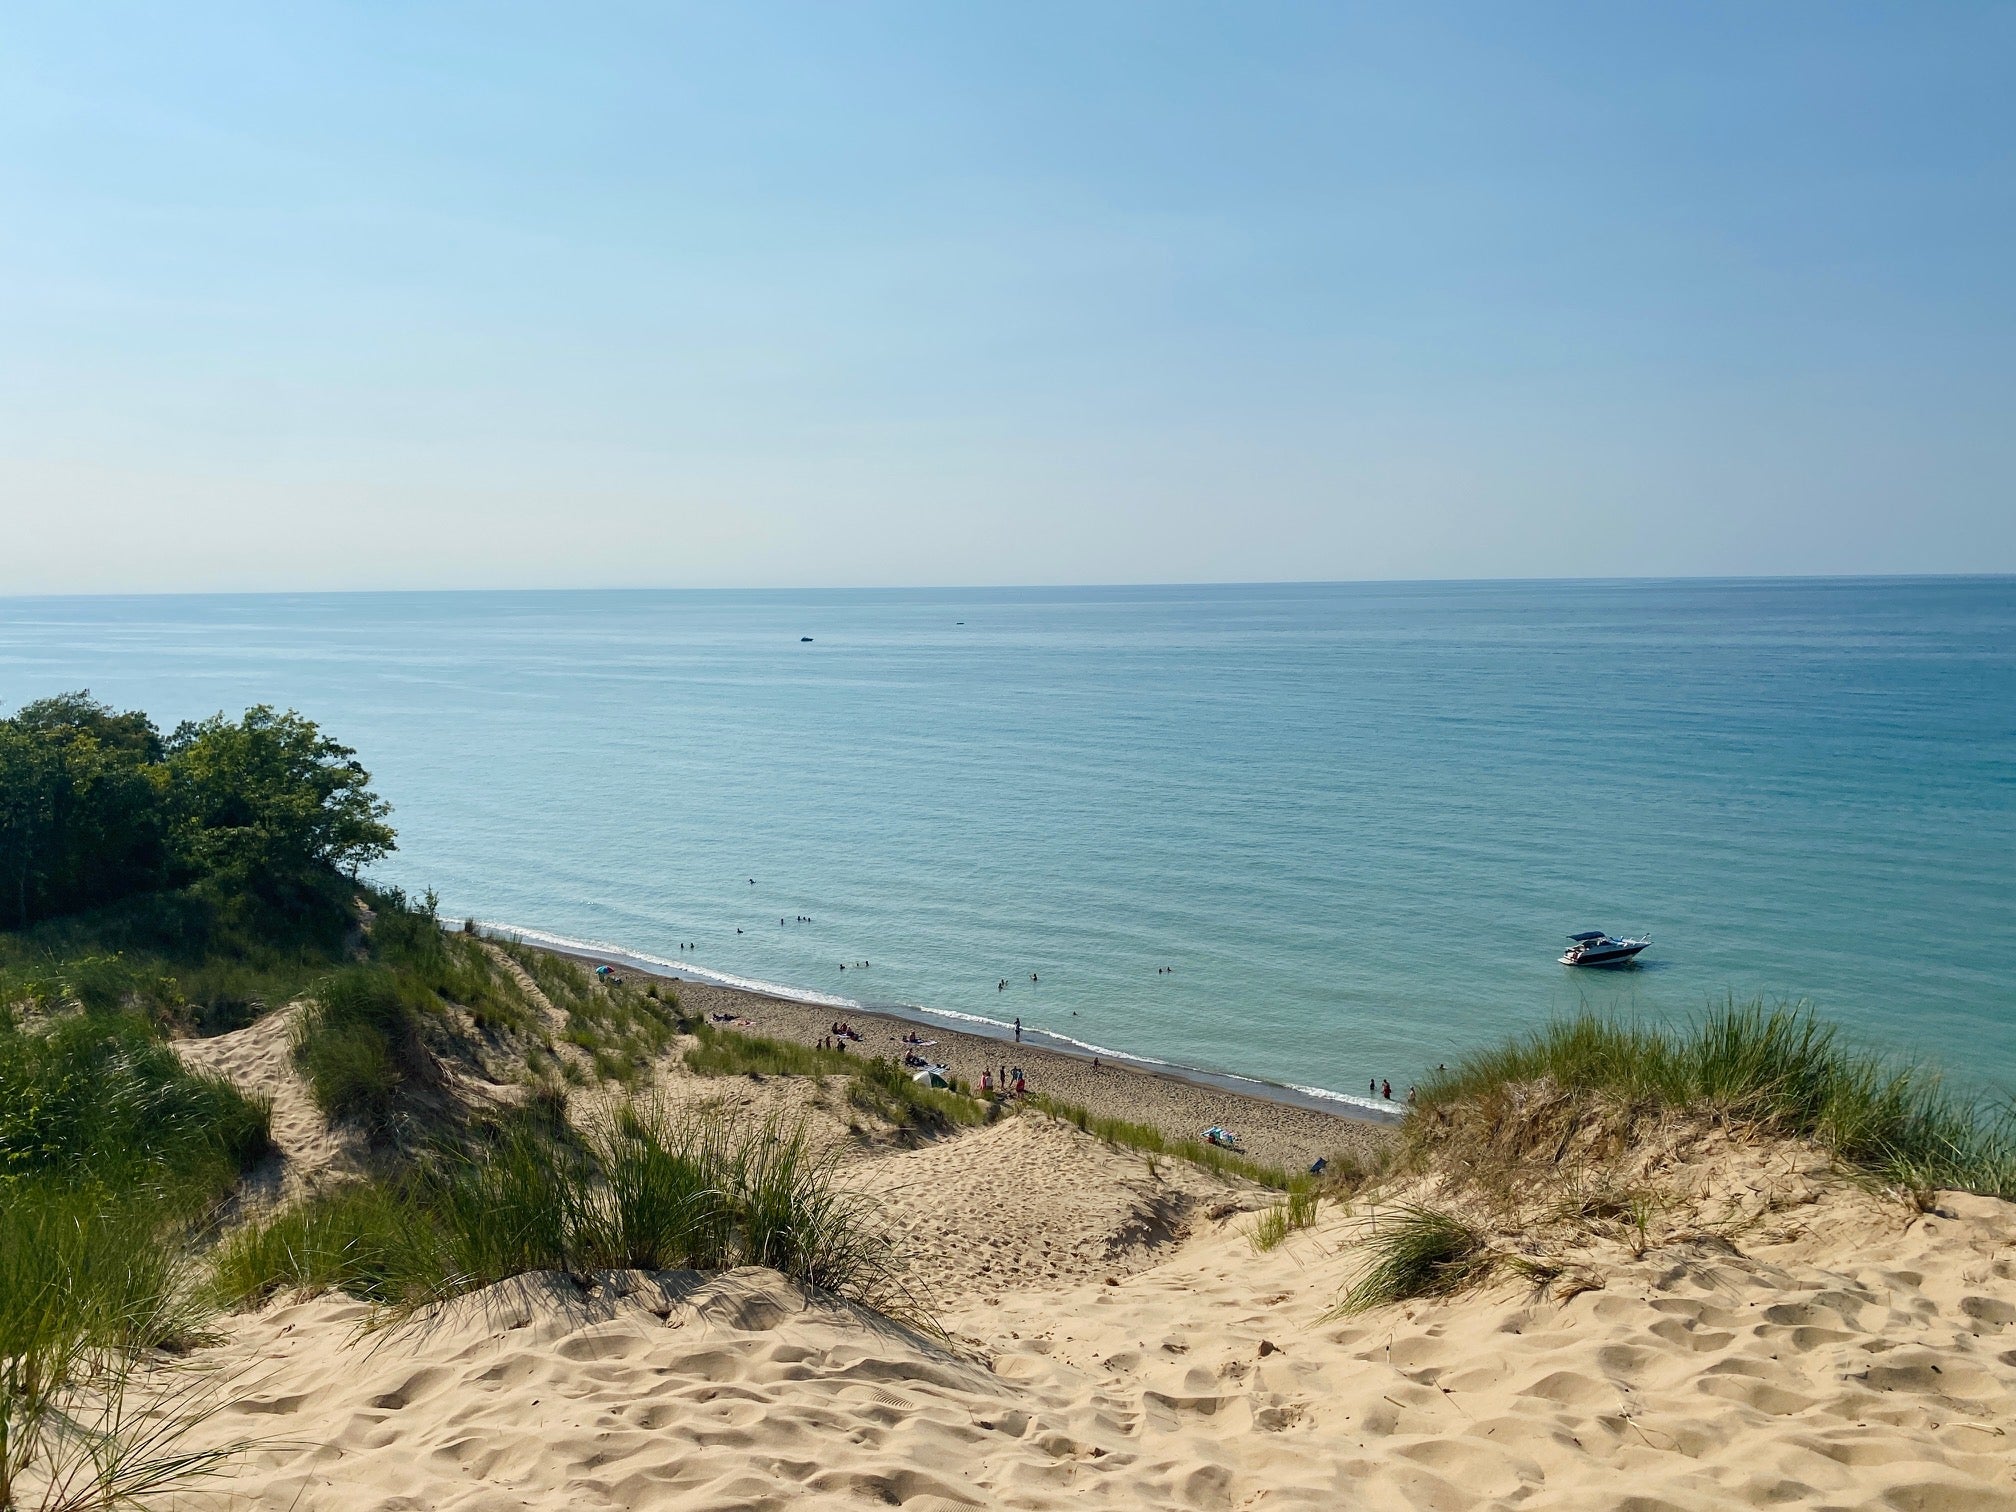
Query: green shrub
{"points": [[668, 1194]]}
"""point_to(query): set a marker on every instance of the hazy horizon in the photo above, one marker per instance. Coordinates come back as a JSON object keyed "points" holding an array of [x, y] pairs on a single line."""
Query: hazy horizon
{"points": [[790, 296], [1004, 588]]}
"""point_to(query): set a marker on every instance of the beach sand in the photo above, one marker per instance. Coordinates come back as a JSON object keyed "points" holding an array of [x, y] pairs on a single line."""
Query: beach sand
{"points": [[1852, 1367]]}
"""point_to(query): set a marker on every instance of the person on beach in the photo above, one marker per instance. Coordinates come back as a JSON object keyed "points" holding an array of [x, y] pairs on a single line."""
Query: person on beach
{"points": [[1021, 1087], [986, 1082], [1372, 1087], [1018, 1031], [1095, 1063], [1386, 1090]]}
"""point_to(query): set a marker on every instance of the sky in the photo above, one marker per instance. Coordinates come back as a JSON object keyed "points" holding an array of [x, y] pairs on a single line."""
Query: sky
{"points": [[434, 295]]}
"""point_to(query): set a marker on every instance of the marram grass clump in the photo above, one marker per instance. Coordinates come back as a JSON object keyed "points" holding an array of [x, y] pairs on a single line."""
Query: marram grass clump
{"points": [[643, 1190], [1417, 1252], [1777, 1069]]}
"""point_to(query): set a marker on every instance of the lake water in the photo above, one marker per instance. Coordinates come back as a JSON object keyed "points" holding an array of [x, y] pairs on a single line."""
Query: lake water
{"points": [[1355, 820]]}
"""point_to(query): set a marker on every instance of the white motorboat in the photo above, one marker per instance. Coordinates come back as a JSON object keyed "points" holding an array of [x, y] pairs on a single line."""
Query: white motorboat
{"points": [[1594, 948]]}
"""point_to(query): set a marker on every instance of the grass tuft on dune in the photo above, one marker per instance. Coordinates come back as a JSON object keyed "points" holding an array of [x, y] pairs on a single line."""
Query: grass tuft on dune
{"points": [[877, 1086], [1415, 1252], [642, 1190], [1778, 1069]]}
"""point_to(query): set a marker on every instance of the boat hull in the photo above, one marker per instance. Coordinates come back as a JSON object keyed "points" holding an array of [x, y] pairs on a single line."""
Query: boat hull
{"points": [[1607, 958]]}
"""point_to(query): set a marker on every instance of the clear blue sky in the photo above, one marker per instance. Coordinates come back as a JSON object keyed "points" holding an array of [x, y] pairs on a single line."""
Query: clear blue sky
{"points": [[301, 296]]}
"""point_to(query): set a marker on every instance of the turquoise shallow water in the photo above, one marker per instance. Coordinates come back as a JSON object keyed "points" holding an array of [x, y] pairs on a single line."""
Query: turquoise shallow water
{"points": [[1355, 819]]}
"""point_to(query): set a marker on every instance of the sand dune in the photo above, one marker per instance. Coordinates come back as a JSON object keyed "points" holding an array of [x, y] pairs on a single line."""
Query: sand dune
{"points": [[1867, 1361], [1778, 1337]]}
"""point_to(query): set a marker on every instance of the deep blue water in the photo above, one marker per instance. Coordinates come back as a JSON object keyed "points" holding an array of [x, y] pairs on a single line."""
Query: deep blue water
{"points": [[1355, 819]]}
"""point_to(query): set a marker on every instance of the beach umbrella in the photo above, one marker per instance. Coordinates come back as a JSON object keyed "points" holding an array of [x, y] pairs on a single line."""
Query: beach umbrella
{"points": [[933, 1076]]}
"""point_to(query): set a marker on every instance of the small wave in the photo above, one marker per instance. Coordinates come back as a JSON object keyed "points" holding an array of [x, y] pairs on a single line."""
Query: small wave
{"points": [[1350, 1099], [647, 962]]}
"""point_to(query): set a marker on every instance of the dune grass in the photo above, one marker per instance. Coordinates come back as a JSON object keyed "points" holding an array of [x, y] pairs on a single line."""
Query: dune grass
{"points": [[361, 1041], [190, 958], [110, 1151], [90, 1283], [1293, 1213], [620, 1028], [100, 1101], [877, 1086], [642, 1190], [1778, 1068], [1416, 1252], [1129, 1135]]}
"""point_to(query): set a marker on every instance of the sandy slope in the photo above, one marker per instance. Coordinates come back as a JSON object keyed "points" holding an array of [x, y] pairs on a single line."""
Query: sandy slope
{"points": [[1867, 1362], [259, 1060]]}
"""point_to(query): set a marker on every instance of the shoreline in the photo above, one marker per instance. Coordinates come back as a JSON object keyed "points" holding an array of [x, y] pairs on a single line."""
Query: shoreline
{"points": [[1346, 1106], [1276, 1131]]}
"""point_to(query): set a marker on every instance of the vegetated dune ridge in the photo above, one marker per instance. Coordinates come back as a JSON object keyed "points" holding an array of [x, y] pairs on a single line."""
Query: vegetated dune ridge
{"points": [[1775, 1336]]}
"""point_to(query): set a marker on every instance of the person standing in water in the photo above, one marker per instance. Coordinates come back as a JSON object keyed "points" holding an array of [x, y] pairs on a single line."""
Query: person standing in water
{"points": [[1018, 1031]]}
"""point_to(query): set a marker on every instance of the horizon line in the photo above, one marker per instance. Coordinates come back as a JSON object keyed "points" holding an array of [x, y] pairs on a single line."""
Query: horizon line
{"points": [[644, 588]]}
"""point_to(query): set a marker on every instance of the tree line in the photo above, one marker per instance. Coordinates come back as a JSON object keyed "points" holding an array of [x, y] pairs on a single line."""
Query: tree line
{"points": [[97, 806]]}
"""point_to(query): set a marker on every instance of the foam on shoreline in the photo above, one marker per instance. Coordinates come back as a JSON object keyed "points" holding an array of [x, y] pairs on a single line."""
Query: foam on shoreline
{"points": [[1322, 1098]]}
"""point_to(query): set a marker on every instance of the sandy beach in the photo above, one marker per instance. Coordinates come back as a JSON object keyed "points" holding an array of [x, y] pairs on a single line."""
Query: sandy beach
{"points": [[1272, 1132]]}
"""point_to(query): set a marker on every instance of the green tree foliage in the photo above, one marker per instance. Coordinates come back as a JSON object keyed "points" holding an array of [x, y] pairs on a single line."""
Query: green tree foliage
{"points": [[269, 803], [84, 815], [95, 806]]}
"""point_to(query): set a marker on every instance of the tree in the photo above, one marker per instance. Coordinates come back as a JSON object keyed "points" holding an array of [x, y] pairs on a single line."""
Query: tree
{"points": [[82, 819], [270, 804]]}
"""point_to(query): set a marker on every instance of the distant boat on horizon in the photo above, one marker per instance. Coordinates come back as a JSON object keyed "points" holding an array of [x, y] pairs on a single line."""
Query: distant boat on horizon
{"points": [[805, 640], [1595, 948]]}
